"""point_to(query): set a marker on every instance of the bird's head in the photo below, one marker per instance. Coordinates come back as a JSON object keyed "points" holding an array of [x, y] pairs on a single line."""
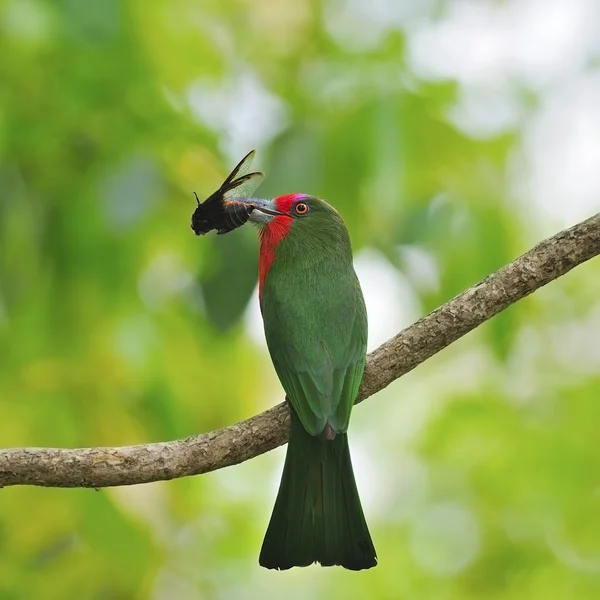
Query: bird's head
{"points": [[297, 213], [311, 228]]}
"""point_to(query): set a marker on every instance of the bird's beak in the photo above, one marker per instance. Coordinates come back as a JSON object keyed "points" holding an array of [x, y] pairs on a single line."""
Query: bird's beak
{"points": [[264, 210]]}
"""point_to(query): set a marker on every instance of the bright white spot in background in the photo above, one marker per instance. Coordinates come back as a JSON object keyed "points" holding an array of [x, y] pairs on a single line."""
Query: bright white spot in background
{"points": [[522, 382], [27, 20], [576, 346], [130, 193], [421, 267], [243, 485], [490, 48], [144, 504], [361, 26], [253, 321], [368, 479], [134, 340], [559, 164], [390, 299], [240, 109], [444, 538], [162, 279], [485, 42], [411, 485], [486, 111], [278, 458], [567, 553], [169, 583], [396, 485]]}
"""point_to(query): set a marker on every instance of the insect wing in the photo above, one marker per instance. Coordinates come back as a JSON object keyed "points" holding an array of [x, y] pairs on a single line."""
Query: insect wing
{"points": [[241, 169], [220, 210], [243, 187]]}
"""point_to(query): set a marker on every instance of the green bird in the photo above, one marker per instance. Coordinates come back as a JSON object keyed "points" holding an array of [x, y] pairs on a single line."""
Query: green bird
{"points": [[316, 329]]}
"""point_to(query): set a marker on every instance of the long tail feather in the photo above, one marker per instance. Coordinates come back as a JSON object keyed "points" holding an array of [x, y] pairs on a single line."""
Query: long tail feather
{"points": [[317, 515]]}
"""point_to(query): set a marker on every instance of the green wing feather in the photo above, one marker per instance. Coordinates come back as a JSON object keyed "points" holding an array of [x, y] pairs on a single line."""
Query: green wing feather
{"points": [[318, 344]]}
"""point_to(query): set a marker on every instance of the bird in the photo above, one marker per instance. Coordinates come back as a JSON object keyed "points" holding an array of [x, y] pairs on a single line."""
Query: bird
{"points": [[315, 324]]}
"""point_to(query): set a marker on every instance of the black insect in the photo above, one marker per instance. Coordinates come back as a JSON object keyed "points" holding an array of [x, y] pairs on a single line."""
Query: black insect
{"points": [[223, 210]]}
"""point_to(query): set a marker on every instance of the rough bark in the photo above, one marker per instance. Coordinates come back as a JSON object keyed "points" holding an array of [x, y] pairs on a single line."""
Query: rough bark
{"points": [[127, 465]]}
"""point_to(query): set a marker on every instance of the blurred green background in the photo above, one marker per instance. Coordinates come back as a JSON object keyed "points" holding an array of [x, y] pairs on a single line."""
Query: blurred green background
{"points": [[452, 136]]}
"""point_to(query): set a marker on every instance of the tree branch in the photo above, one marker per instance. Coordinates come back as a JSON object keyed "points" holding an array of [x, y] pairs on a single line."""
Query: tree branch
{"points": [[127, 465]]}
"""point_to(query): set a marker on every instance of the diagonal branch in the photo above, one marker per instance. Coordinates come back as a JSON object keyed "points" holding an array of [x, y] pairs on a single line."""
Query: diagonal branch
{"points": [[127, 465]]}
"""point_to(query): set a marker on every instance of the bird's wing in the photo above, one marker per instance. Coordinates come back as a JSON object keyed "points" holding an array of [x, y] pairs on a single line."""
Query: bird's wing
{"points": [[320, 360]]}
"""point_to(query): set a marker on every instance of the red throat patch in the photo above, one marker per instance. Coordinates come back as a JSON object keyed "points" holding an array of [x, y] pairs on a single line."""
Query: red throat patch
{"points": [[272, 234]]}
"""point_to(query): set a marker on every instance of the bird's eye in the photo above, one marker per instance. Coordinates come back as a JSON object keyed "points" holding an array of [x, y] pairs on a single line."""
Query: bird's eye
{"points": [[301, 208]]}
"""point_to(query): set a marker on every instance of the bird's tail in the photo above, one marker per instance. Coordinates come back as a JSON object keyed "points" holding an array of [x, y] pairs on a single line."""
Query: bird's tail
{"points": [[317, 516]]}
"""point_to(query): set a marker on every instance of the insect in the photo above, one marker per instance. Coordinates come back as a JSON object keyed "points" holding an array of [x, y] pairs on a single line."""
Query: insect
{"points": [[220, 210]]}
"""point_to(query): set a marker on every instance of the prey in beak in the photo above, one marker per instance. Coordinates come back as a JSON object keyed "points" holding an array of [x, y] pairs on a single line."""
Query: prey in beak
{"points": [[227, 209]]}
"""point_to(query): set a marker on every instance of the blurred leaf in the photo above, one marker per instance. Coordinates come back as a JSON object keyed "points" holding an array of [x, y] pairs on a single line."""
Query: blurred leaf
{"points": [[234, 265]]}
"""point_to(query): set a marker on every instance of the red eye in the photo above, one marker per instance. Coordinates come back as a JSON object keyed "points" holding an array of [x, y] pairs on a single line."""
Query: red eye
{"points": [[301, 208]]}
